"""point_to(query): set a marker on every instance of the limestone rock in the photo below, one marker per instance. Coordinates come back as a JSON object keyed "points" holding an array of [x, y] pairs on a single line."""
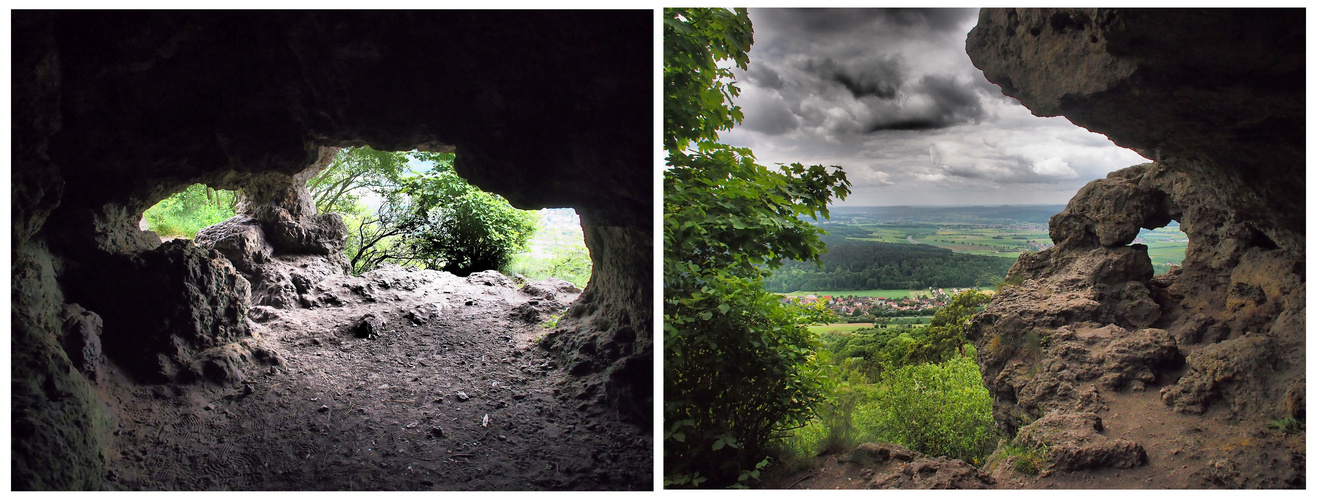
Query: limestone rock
{"points": [[877, 454], [1213, 98], [241, 240], [1239, 371], [549, 288], [490, 278], [82, 339], [935, 473], [1075, 442]]}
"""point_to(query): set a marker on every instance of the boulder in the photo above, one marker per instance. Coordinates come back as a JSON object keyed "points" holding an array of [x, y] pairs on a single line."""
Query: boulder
{"points": [[82, 339], [1074, 441], [935, 473]]}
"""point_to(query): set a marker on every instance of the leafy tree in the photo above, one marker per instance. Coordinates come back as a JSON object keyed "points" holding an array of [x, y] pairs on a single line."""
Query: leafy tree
{"points": [[944, 337], [430, 217], [340, 185], [462, 229], [739, 366]]}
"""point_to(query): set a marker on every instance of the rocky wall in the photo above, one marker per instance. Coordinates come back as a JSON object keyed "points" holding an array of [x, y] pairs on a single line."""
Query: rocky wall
{"points": [[1216, 98], [115, 111]]}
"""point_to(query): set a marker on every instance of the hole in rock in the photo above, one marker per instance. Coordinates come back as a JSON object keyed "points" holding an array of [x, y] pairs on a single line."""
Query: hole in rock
{"points": [[185, 213], [422, 368], [1166, 246], [411, 208]]}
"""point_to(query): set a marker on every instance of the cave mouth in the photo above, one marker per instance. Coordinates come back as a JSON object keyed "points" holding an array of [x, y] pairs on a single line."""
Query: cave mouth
{"points": [[280, 369], [183, 214], [1167, 246], [411, 208]]}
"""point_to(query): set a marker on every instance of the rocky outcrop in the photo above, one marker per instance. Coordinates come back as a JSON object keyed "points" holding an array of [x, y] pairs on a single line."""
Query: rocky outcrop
{"points": [[1217, 94], [938, 473], [118, 110], [1216, 98], [607, 322], [1074, 441]]}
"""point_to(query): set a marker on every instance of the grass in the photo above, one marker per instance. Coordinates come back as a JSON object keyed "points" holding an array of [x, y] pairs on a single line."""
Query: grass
{"points": [[839, 327], [1022, 459]]}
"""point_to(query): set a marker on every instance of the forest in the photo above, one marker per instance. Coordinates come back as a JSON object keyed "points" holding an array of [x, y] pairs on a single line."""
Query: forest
{"points": [[866, 265]]}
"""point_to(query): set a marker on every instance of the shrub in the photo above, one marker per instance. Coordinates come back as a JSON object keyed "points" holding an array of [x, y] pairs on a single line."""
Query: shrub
{"points": [[939, 409]]}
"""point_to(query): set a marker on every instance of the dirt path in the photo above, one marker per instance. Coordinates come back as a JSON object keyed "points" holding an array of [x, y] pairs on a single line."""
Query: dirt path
{"points": [[453, 395]]}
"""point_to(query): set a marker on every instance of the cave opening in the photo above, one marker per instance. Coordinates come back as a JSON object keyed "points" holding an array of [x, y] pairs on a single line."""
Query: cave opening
{"points": [[332, 374], [1166, 244], [250, 356], [185, 213]]}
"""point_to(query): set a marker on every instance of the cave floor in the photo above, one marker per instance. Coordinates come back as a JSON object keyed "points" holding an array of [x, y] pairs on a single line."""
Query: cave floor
{"points": [[464, 401]]}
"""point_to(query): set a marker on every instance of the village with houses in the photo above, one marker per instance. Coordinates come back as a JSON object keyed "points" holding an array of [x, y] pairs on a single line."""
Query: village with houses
{"points": [[868, 309]]}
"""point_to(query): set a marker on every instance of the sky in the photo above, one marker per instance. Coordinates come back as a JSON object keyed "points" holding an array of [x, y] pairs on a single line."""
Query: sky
{"points": [[891, 97]]}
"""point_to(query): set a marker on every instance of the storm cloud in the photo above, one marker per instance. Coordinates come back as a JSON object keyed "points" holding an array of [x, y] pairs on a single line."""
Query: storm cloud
{"points": [[891, 96]]}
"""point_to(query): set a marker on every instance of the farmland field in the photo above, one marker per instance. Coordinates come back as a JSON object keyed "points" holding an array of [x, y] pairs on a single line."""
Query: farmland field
{"points": [[876, 251], [848, 328], [886, 294]]}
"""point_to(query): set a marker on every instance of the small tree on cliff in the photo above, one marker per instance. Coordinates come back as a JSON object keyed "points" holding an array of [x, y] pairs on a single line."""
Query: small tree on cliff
{"points": [[738, 364]]}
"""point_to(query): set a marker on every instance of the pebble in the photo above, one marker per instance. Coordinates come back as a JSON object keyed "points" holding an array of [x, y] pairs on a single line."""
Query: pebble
{"points": [[323, 408], [462, 396]]}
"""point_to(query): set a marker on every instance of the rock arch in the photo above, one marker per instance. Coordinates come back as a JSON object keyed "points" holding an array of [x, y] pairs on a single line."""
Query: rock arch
{"points": [[1216, 99]]}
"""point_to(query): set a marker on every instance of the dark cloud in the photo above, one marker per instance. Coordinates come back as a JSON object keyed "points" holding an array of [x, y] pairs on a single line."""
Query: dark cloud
{"points": [[770, 114], [935, 102], [763, 75], [907, 124], [879, 77], [935, 19]]}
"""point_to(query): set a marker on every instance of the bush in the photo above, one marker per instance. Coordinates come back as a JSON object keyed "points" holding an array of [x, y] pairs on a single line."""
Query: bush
{"points": [[939, 409], [736, 376], [189, 211]]}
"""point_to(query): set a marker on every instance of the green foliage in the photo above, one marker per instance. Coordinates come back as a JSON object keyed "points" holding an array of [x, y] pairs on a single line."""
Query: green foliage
{"points": [[430, 217], [944, 336], [467, 231], [697, 92], [1287, 425], [938, 409], [189, 211], [739, 366], [354, 172], [567, 262]]}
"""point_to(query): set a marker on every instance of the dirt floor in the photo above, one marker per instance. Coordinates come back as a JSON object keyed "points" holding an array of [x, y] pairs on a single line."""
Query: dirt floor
{"points": [[454, 394], [1184, 452]]}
